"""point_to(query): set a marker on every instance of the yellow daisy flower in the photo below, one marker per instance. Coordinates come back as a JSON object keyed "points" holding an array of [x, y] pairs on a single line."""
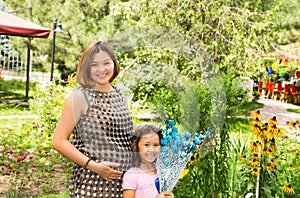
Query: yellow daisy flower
{"points": [[272, 162], [242, 157], [273, 145], [275, 169], [255, 170], [265, 151], [184, 173], [272, 121], [270, 152], [288, 189], [276, 159], [280, 132], [269, 166], [257, 115], [255, 155], [254, 145], [254, 162]]}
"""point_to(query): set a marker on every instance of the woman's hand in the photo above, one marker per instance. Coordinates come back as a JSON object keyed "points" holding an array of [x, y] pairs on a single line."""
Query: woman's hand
{"points": [[167, 194], [105, 170]]}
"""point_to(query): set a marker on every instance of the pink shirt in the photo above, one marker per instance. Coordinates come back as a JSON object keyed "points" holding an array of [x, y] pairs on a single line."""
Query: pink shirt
{"points": [[141, 182]]}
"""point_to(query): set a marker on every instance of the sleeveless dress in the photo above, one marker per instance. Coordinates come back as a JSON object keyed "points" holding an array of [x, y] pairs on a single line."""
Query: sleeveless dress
{"points": [[104, 134]]}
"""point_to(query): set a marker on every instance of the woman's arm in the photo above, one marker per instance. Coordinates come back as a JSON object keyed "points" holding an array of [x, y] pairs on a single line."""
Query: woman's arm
{"points": [[68, 120]]}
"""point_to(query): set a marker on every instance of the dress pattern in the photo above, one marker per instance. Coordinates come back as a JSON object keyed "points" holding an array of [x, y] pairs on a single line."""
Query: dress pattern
{"points": [[104, 134]]}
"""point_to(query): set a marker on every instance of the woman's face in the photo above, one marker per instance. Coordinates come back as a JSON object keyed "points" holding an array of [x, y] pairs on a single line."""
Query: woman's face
{"points": [[102, 68], [149, 147]]}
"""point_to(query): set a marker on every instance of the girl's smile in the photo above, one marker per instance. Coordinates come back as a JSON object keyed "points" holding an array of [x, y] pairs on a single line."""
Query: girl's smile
{"points": [[149, 147]]}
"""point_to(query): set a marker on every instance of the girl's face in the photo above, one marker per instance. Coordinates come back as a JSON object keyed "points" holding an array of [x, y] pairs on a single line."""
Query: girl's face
{"points": [[102, 68], [149, 147]]}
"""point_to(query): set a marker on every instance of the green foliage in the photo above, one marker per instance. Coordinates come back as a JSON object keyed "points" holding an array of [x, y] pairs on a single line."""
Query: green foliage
{"points": [[14, 89], [235, 34], [27, 157], [208, 174], [295, 110], [48, 101]]}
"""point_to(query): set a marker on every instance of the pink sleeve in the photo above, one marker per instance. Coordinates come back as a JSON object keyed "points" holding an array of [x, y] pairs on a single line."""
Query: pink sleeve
{"points": [[129, 180]]}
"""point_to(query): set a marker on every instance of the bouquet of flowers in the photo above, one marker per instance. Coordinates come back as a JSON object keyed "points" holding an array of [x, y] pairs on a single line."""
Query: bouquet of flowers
{"points": [[176, 150]]}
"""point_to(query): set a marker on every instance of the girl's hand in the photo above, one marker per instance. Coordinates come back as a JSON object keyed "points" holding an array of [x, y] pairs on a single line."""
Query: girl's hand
{"points": [[167, 194], [105, 170]]}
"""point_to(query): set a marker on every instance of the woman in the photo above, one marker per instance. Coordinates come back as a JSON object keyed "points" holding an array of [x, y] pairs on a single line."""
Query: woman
{"points": [[98, 119]]}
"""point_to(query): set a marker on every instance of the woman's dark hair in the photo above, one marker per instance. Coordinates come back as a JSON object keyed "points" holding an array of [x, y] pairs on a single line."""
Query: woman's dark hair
{"points": [[138, 133], [86, 59]]}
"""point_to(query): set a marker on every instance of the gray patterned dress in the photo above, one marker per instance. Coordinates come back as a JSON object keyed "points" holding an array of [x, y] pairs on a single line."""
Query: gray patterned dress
{"points": [[104, 134]]}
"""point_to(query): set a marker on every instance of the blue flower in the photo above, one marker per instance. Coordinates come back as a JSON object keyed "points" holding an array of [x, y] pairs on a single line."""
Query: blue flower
{"points": [[194, 147], [169, 138], [174, 148], [164, 142], [173, 134], [171, 123], [207, 133], [178, 142], [174, 129], [201, 137], [196, 141], [187, 135], [186, 144]]}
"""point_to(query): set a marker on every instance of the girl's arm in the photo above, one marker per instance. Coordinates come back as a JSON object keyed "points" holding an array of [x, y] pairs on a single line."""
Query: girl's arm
{"points": [[128, 193]]}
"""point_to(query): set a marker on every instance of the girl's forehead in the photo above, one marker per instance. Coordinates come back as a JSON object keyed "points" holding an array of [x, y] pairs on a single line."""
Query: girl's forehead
{"points": [[149, 136]]}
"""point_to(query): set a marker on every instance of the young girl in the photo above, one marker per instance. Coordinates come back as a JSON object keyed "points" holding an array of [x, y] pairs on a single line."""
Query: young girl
{"points": [[139, 181]]}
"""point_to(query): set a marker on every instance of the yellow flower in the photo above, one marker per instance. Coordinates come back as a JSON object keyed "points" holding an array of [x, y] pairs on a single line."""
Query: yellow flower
{"points": [[265, 151], [255, 170], [272, 162], [272, 121], [280, 132], [269, 166], [270, 152], [184, 173], [275, 169], [288, 189], [257, 115], [276, 159], [273, 145], [254, 145], [255, 155], [256, 129], [242, 157], [254, 162], [42, 160]]}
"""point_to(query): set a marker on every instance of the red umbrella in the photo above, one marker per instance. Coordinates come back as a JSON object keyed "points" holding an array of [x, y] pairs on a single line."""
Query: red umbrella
{"points": [[15, 26]]}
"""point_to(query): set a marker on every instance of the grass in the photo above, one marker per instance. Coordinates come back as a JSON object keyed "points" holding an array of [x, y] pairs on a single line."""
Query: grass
{"points": [[14, 89], [13, 109], [238, 124], [294, 110], [64, 194]]}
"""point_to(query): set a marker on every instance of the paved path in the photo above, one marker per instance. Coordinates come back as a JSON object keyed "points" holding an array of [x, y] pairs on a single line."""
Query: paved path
{"points": [[279, 109]]}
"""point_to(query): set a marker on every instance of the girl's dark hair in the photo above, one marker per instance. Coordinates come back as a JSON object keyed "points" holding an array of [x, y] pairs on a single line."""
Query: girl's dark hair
{"points": [[138, 133], [84, 65]]}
